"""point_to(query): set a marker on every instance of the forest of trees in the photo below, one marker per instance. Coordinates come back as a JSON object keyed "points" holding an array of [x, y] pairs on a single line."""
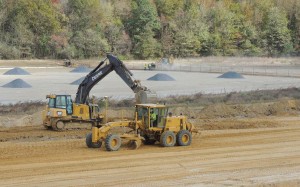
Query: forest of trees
{"points": [[145, 29]]}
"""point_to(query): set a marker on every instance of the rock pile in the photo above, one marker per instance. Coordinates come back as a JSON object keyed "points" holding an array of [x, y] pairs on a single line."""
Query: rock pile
{"points": [[231, 75], [161, 77], [78, 81], [17, 71], [17, 83], [81, 69]]}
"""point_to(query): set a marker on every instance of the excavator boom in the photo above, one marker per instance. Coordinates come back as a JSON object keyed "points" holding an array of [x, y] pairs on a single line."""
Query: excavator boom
{"points": [[100, 72]]}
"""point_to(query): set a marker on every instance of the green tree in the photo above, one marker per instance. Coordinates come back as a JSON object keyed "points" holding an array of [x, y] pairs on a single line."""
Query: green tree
{"points": [[277, 39], [223, 29], [87, 31], [143, 27], [292, 7], [29, 24]]}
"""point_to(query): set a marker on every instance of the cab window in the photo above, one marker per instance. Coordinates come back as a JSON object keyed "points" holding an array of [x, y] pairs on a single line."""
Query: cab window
{"points": [[69, 105], [51, 103], [161, 119], [142, 113], [61, 102]]}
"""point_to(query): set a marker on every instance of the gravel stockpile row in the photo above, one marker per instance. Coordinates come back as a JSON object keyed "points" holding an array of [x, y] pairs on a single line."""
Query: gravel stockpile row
{"points": [[16, 71], [17, 83], [78, 81], [231, 75], [161, 77], [81, 69]]}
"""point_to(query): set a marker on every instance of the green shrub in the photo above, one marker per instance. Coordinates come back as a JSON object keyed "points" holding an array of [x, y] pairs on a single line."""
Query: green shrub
{"points": [[9, 52]]}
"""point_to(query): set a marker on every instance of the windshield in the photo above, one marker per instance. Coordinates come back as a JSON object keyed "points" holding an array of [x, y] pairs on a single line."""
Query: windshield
{"points": [[142, 113], [61, 102], [51, 103]]}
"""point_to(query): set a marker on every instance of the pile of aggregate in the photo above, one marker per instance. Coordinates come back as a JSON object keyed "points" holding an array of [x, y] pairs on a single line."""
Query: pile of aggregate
{"points": [[231, 75], [161, 77], [17, 83], [17, 71], [78, 81], [81, 69]]}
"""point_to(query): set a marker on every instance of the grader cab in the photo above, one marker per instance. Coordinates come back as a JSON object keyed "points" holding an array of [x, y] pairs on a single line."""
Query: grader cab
{"points": [[152, 124]]}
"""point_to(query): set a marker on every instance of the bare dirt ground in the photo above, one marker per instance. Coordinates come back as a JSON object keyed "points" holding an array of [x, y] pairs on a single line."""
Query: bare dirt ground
{"points": [[270, 156]]}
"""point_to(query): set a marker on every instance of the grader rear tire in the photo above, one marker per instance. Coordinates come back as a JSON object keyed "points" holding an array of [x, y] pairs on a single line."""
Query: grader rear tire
{"points": [[90, 144], [184, 138], [113, 142], [167, 139]]}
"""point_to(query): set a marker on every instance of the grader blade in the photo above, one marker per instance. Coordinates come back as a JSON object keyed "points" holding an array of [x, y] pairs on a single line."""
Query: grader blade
{"points": [[135, 144], [135, 141]]}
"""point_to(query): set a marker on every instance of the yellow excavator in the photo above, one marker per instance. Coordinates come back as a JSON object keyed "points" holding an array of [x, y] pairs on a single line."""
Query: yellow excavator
{"points": [[63, 113], [152, 123]]}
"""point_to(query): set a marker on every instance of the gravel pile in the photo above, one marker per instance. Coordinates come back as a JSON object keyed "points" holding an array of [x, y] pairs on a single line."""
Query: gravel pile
{"points": [[17, 83], [16, 71], [231, 75], [78, 81], [81, 69], [161, 77]]}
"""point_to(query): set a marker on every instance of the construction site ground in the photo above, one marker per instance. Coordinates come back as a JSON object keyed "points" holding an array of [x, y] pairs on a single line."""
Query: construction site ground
{"points": [[254, 156]]}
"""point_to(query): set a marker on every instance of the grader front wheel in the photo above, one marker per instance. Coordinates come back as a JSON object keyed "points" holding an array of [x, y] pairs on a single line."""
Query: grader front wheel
{"points": [[91, 144], [113, 142], [167, 139]]}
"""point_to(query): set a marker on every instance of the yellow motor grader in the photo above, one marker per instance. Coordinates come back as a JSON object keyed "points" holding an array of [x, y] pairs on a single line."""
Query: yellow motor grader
{"points": [[152, 123]]}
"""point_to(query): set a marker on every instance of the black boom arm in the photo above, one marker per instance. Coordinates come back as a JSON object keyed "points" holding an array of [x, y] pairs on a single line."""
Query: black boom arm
{"points": [[99, 73]]}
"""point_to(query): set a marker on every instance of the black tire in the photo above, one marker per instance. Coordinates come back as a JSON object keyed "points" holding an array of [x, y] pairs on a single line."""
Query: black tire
{"points": [[60, 125], [184, 138], [113, 142], [148, 141], [167, 139], [90, 144]]}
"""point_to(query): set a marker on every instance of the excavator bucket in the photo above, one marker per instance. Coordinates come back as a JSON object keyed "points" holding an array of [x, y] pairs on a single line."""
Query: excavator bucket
{"points": [[141, 97]]}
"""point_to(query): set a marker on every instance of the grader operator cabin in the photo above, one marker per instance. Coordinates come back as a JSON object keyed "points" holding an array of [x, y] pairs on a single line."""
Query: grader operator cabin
{"points": [[62, 113]]}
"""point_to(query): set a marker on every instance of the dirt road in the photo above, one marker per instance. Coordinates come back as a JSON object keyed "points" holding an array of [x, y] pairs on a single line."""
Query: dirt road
{"points": [[248, 157]]}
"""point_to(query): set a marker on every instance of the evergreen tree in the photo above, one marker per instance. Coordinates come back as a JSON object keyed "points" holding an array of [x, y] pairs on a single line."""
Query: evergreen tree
{"points": [[143, 27], [87, 37], [277, 39]]}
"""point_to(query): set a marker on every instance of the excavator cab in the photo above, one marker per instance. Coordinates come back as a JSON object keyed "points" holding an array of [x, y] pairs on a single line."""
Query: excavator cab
{"points": [[61, 102]]}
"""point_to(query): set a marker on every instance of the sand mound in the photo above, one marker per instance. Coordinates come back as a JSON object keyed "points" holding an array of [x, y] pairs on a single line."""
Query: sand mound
{"points": [[17, 83], [16, 71], [81, 69], [161, 77], [231, 75], [78, 81]]}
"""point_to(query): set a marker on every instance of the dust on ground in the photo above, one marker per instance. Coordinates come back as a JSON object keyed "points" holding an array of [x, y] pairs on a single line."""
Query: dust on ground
{"points": [[255, 144]]}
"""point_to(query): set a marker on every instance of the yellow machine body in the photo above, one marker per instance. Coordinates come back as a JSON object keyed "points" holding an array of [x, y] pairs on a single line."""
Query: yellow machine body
{"points": [[164, 128], [81, 111], [56, 116]]}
